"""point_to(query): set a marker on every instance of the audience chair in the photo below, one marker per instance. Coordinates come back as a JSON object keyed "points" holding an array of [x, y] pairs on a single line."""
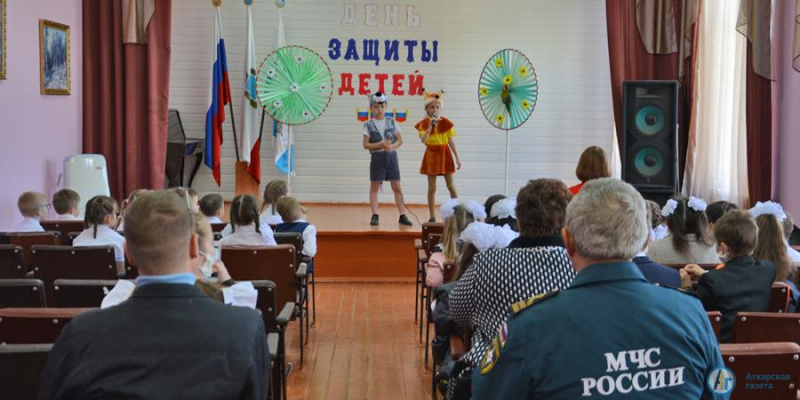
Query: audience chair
{"points": [[4, 238], [21, 367], [64, 228], [78, 293], [296, 239], [753, 327], [275, 323], [34, 325], [218, 227], [65, 262], [12, 262], [21, 293], [273, 263], [753, 360], [779, 298], [28, 240], [715, 317], [71, 238], [707, 267], [431, 236]]}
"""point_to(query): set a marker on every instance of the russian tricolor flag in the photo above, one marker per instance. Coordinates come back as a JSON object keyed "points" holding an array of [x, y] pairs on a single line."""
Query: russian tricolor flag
{"points": [[219, 94]]}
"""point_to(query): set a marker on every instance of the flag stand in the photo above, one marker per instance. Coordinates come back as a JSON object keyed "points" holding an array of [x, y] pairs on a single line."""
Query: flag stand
{"points": [[505, 191]]}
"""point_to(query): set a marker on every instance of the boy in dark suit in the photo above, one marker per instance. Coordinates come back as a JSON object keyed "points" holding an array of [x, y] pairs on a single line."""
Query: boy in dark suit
{"points": [[742, 285], [168, 340]]}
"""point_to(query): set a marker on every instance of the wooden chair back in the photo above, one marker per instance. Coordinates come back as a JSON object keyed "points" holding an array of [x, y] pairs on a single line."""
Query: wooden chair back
{"points": [[267, 303], [34, 325], [22, 293], [450, 269], [28, 240], [64, 228], [65, 262], [12, 262], [707, 267], [274, 263], [292, 238], [80, 293], [775, 362], [431, 236], [218, 227], [715, 317], [752, 327], [21, 367], [779, 297]]}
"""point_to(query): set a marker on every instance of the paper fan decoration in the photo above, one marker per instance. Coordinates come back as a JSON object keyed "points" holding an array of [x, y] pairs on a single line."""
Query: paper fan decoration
{"points": [[508, 89], [294, 85]]}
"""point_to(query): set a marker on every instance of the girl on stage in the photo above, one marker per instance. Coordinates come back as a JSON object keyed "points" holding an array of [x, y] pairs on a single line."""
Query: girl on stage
{"points": [[437, 132]]}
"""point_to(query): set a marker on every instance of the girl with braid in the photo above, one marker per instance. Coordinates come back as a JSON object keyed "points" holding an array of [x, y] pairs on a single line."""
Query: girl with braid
{"points": [[100, 217], [273, 192], [246, 228]]}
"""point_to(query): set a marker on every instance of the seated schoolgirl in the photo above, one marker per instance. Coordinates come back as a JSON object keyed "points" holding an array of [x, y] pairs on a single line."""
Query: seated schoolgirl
{"points": [[246, 229], [100, 217]]}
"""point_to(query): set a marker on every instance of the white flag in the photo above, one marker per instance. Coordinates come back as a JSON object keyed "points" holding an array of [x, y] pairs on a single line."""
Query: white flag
{"points": [[283, 142], [250, 145]]}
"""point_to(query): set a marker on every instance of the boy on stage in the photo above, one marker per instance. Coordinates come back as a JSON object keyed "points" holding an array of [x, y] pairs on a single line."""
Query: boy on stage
{"points": [[382, 138]]}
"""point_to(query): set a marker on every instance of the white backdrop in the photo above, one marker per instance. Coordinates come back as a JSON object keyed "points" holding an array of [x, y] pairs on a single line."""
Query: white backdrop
{"points": [[565, 39]]}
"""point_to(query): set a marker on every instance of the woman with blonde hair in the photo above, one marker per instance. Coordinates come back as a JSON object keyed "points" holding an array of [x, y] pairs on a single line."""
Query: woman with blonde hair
{"points": [[593, 164]]}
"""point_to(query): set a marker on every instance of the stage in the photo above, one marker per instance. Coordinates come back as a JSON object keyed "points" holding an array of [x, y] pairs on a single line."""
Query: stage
{"points": [[349, 249]]}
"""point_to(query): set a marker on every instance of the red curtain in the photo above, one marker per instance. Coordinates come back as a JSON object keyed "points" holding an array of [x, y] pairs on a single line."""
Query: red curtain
{"points": [[630, 61], [759, 133], [125, 95]]}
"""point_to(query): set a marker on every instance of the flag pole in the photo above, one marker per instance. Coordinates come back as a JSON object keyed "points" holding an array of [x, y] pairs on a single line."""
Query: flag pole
{"points": [[218, 4]]}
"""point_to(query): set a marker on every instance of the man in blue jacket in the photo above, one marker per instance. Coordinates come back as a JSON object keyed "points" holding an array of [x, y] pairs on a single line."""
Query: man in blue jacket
{"points": [[611, 334]]}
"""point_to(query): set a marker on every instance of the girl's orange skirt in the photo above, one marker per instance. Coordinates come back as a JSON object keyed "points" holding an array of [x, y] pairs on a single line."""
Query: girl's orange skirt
{"points": [[438, 160]]}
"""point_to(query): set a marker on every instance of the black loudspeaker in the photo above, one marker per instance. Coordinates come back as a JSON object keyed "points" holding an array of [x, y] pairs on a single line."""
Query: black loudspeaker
{"points": [[650, 137]]}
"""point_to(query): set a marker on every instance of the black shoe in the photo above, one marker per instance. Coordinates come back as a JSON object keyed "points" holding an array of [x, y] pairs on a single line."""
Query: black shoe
{"points": [[432, 220], [405, 221], [374, 220]]}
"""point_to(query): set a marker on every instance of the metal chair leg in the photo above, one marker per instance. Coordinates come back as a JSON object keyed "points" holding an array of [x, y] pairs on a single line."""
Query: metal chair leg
{"points": [[313, 298], [302, 342], [427, 328], [416, 293], [422, 301]]}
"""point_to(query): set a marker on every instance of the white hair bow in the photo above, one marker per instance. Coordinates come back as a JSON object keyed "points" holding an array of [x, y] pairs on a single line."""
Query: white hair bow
{"points": [[485, 236], [505, 208], [697, 204], [476, 209], [669, 208], [768, 207], [448, 208]]}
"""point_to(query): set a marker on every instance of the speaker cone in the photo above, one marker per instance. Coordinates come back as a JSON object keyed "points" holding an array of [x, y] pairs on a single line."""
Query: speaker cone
{"points": [[649, 120], [648, 162]]}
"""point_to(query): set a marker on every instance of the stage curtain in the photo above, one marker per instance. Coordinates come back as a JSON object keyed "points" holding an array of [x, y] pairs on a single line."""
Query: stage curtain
{"points": [[630, 59], [125, 95], [718, 145]]}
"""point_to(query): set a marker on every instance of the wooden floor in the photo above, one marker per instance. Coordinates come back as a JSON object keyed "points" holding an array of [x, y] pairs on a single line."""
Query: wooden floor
{"points": [[364, 346], [349, 218]]}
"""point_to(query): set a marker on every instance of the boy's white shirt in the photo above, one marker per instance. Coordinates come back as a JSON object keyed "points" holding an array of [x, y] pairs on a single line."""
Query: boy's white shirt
{"points": [[67, 217], [309, 239], [105, 237], [214, 220], [241, 294], [29, 224]]}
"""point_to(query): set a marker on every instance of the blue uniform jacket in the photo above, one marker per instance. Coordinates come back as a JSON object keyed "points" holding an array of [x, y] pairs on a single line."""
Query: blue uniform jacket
{"points": [[610, 335], [657, 273]]}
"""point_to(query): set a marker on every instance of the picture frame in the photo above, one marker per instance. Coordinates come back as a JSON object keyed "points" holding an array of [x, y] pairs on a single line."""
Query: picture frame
{"points": [[2, 40], [54, 58]]}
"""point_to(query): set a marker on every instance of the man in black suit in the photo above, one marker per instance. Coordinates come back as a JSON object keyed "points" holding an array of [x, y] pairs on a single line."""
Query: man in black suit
{"points": [[743, 284], [168, 341]]}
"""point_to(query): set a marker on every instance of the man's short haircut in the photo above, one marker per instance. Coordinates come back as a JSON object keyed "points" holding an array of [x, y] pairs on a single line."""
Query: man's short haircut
{"points": [[210, 204], [29, 203], [608, 220], [65, 200], [289, 209], [788, 226], [158, 228], [717, 209], [541, 207], [738, 230]]}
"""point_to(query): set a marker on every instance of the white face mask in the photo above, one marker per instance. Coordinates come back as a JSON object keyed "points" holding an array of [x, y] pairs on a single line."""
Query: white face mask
{"points": [[722, 255], [207, 268]]}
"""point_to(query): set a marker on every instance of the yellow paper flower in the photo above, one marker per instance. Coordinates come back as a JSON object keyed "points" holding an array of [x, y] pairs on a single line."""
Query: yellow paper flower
{"points": [[484, 91], [523, 70], [507, 80], [525, 104], [500, 118], [498, 62]]}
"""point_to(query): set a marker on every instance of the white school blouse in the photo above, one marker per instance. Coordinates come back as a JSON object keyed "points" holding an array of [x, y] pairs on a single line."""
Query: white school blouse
{"points": [[246, 236], [271, 219], [241, 294], [214, 220], [105, 237], [29, 225]]}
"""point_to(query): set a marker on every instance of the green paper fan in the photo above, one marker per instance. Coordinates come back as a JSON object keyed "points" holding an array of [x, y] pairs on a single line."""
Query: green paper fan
{"points": [[508, 109], [294, 85]]}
